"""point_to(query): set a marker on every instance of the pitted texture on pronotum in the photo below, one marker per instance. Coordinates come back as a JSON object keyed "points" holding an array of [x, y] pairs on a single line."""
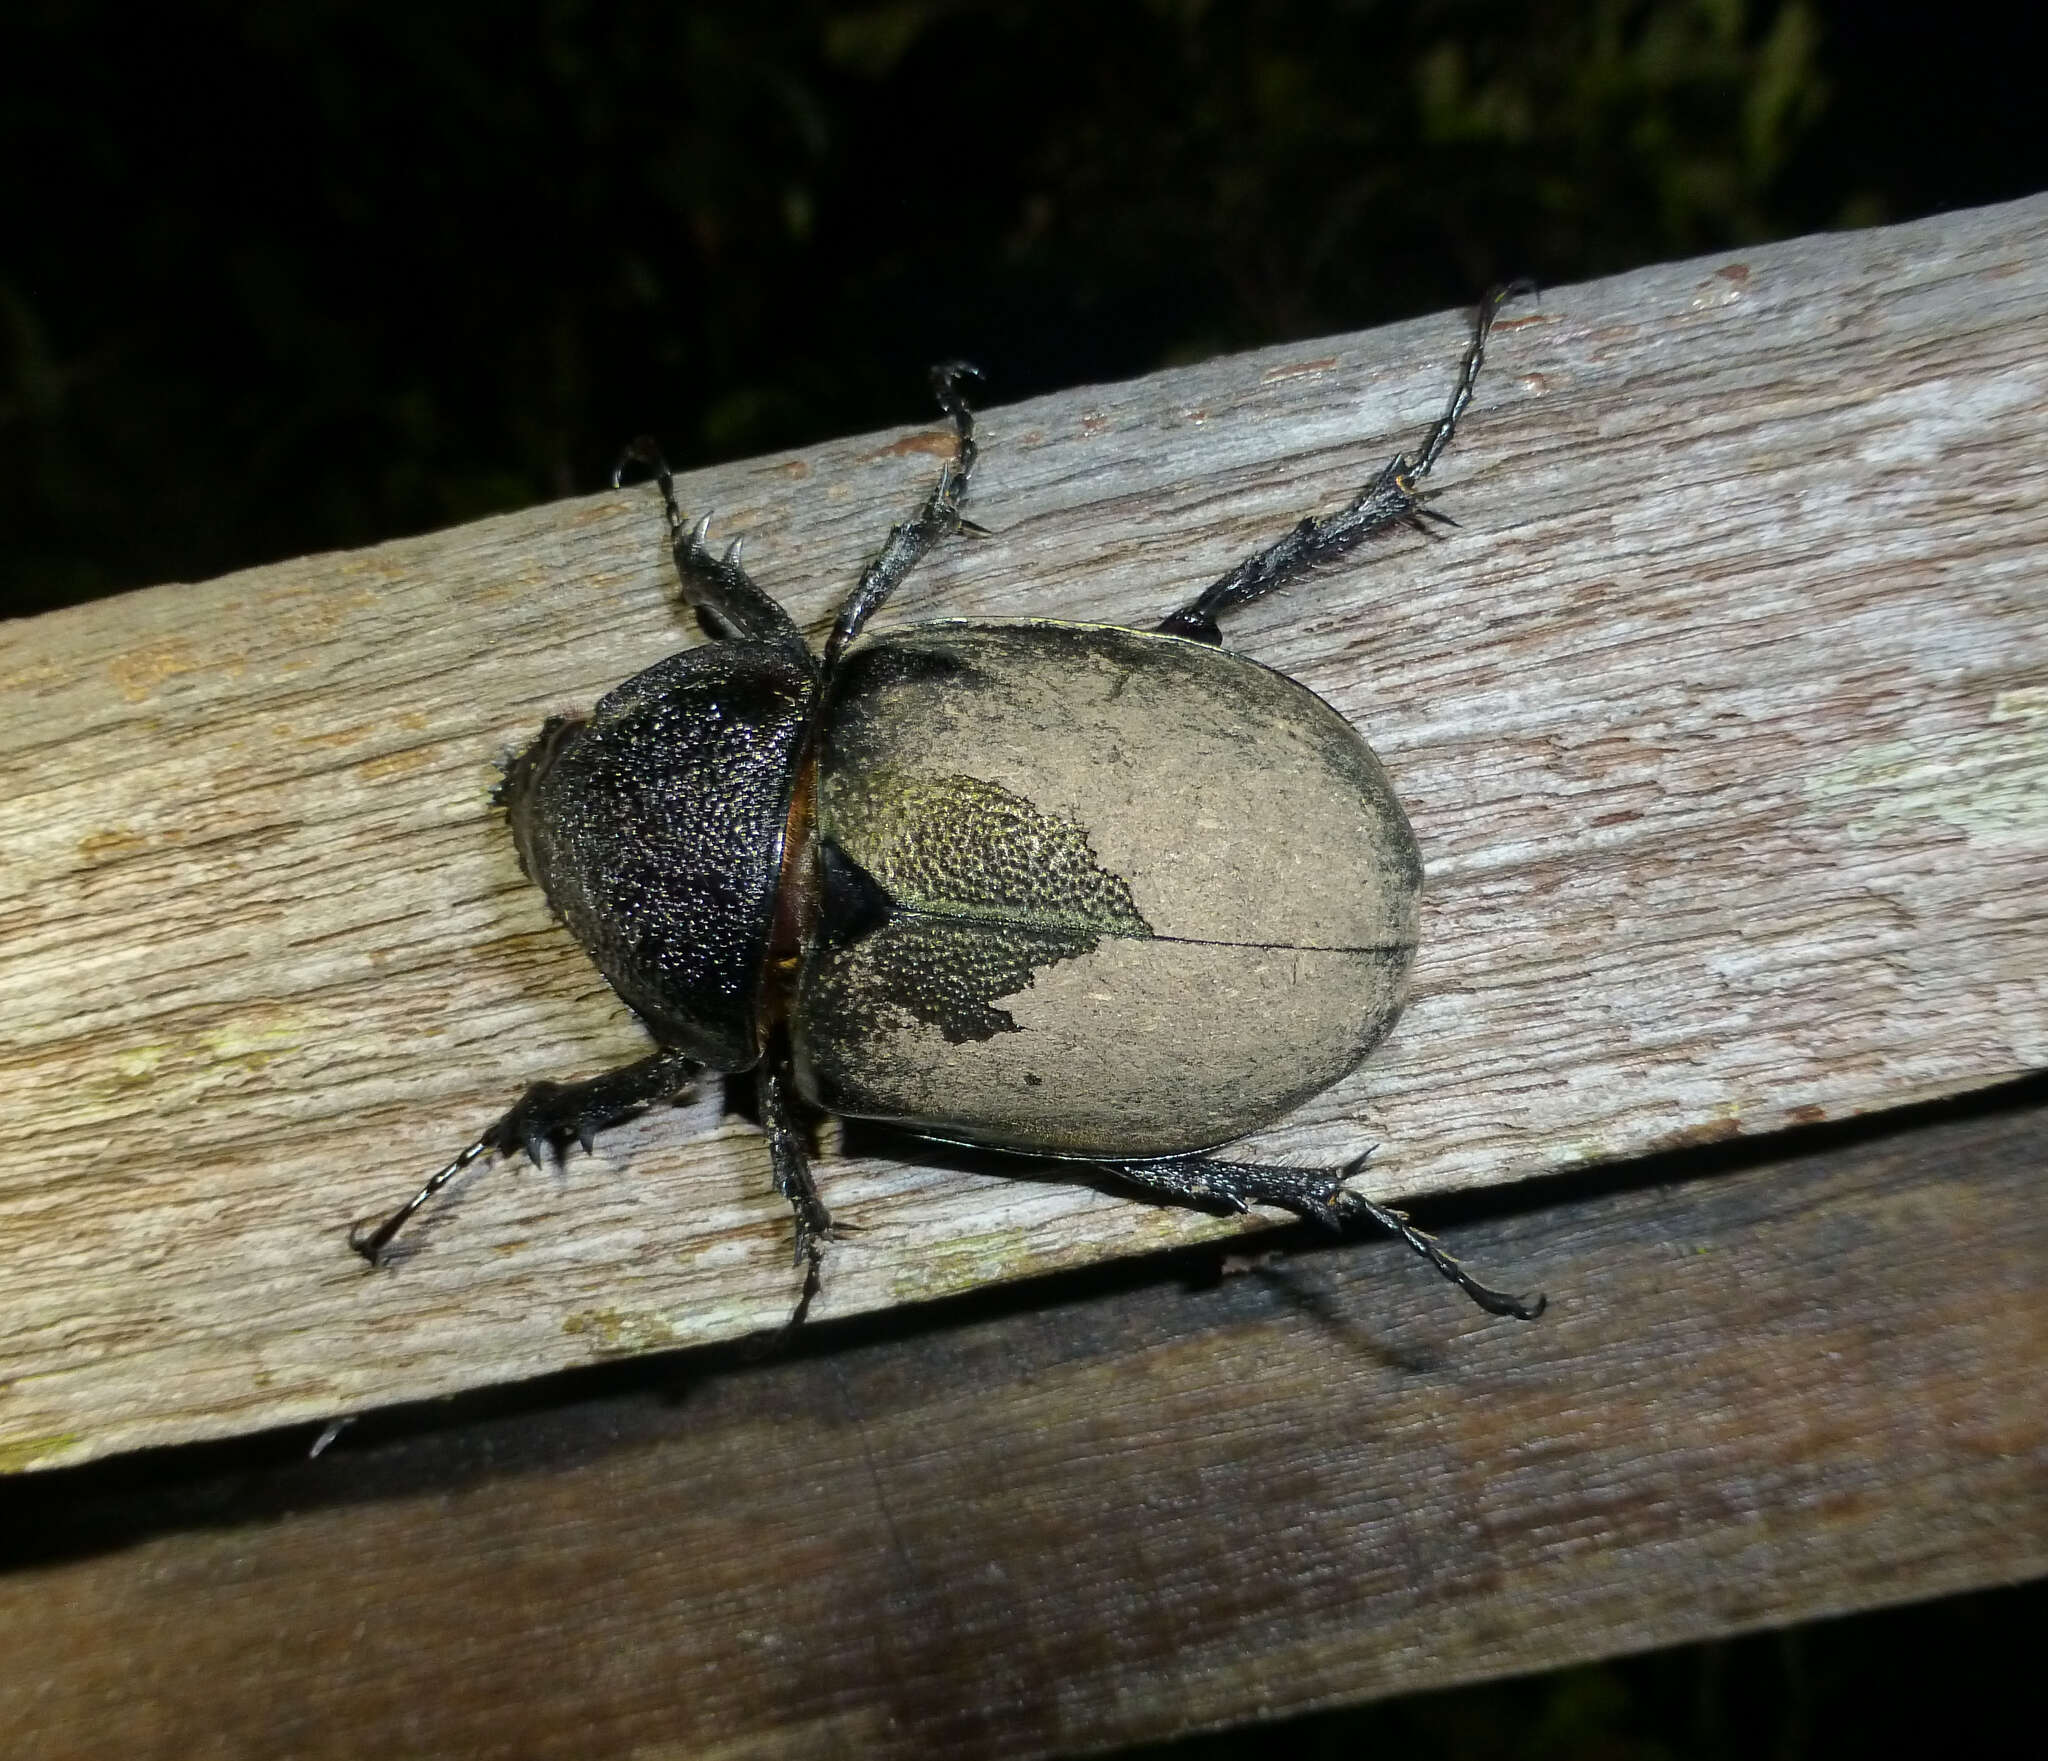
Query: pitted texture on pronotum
{"points": [[656, 830]]}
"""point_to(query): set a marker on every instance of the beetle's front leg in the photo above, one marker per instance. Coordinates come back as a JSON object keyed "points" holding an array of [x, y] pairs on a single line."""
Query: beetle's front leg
{"points": [[544, 1120], [1391, 499], [717, 586], [1319, 1194]]}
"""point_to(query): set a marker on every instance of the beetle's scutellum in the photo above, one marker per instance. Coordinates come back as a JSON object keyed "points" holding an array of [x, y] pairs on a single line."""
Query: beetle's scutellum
{"points": [[1065, 890]]}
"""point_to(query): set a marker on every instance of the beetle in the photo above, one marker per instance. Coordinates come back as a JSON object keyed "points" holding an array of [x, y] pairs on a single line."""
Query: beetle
{"points": [[1071, 891]]}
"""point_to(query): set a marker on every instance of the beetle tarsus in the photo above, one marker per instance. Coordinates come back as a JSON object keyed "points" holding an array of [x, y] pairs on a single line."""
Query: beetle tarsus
{"points": [[371, 1242], [1494, 1302], [644, 449], [910, 543], [1391, 499], [543, 1122], [946, 377], [1319, 1195], [1468, 373]]}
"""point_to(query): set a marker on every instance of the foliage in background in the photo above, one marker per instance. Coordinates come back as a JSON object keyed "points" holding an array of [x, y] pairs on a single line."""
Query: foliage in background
{"points": [[275, 279]]}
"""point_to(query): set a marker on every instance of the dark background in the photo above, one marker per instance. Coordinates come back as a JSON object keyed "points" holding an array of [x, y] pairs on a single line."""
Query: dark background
{"points": [[284, 278]]}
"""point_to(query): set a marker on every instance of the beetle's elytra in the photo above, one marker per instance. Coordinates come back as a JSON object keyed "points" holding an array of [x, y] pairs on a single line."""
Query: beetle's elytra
{"points": [[1101, 852], [1065, 890]]}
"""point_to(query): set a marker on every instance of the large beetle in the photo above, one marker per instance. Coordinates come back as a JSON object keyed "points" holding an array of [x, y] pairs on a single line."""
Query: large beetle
{"points": [[1066, 890]]}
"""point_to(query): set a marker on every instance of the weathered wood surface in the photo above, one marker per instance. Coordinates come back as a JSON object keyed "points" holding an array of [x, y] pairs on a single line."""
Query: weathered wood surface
{"points": [[1722, 720], [1001, 1529]]}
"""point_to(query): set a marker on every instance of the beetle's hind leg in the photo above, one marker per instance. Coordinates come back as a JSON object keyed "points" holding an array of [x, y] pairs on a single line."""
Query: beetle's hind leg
{"points": [[1392, 498], [910, 543], [545, 1120], [1319, 1194]]}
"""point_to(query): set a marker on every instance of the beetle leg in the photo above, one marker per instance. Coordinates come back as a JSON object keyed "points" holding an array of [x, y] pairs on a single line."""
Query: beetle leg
{"points": [[715, 586], [1320, 1195], [792, 1163], [543, 1121], [910, 543], [1391, 499]]}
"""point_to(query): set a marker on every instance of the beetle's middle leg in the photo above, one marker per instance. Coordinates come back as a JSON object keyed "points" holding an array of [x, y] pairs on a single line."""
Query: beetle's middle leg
{"points": [[1319, 1194], [1390, 499], [910, 543], [792, 1163]]}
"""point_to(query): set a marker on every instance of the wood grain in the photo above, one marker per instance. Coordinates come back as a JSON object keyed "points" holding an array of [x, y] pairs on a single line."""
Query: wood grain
{"points": [[1808, 1382], [1722, 720]]}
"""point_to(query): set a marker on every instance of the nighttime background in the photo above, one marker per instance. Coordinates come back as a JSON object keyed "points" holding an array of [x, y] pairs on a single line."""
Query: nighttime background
{"points": [[279, 279], [276, 279]]}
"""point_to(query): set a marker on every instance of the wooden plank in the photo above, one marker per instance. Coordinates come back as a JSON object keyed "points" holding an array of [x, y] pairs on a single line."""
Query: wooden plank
{"points": [[1723, 722], [1793, 1387]]}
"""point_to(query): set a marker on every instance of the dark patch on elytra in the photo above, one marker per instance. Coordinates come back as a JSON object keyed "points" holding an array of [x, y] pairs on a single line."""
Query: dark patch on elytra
{"points": [[947, 972], [957, 892], [962, 847]]}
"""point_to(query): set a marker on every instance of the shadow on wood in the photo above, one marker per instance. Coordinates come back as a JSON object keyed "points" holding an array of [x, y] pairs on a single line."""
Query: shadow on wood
{"points": [[1062, 1518]]}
